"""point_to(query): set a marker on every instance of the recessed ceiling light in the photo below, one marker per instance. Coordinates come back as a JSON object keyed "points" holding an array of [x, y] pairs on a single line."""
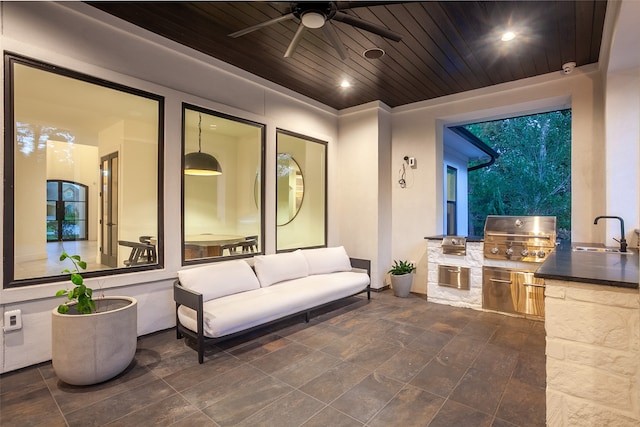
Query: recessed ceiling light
{"points": [[508, 36], [345, 84], [373, 53]]}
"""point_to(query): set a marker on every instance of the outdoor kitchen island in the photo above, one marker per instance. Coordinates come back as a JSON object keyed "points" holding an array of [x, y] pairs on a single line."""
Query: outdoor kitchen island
{"points": [[592, 324]]}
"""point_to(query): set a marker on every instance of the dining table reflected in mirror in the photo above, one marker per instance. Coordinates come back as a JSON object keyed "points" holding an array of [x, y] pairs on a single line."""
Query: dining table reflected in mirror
{"points": [[210, 245]]}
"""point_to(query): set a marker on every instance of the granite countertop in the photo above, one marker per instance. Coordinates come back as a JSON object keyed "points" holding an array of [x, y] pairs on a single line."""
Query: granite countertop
{"points": [[608, 269]]}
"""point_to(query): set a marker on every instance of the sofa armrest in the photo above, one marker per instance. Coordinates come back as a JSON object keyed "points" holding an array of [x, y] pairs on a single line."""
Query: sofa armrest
{"points": [[187, 297], [363, 264], [193, 300]]}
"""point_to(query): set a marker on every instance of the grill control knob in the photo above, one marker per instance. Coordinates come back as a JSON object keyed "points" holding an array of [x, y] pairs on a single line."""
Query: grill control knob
{"points": [[509, 251], [541, 254], [495, 250], [524, 252]]}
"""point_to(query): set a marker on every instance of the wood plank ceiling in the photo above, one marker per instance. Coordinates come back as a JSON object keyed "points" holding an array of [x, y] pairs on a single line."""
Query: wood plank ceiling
{"points": [[447, 46]]}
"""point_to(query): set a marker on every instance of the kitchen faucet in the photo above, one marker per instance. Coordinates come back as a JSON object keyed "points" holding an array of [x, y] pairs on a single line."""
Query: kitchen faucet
{"points": [[622, 241]]}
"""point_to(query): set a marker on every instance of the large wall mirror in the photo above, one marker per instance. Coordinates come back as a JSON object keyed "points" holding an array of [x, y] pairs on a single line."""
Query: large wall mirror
{"points": [[290, 182], [82, 174], [222, 195], [301, 196]]}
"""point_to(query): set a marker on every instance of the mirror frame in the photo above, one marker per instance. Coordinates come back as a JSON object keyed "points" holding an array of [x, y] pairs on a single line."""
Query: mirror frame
{"points": [[325, 198], [9, 223], [259, 206]]}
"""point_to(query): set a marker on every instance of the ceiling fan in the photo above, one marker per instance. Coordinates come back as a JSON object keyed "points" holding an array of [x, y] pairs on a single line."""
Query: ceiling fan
{"points": [[313, 15]]}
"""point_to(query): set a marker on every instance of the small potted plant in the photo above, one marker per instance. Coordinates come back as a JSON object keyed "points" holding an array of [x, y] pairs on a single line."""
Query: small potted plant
{"points": [[402, 277], [92, 340]]}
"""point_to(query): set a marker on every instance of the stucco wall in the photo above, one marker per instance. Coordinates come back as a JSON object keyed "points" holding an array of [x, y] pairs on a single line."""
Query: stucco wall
{"points": [[363, 190], [622, 155]]}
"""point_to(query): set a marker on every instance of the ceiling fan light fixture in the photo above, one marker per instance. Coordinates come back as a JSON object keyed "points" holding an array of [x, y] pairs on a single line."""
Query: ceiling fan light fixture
{"points": [[313, 19]]}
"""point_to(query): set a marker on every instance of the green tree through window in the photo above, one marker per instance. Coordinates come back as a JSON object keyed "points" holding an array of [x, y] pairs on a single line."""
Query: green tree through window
{"points": [[532, 176]]}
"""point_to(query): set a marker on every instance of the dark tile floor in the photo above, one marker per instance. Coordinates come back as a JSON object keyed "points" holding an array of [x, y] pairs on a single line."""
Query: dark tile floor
{"points": [[385, 362]]}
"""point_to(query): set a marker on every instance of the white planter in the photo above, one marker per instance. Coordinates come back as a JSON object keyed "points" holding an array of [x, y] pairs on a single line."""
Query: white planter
{"points": [[401, 284], [92, 348]]}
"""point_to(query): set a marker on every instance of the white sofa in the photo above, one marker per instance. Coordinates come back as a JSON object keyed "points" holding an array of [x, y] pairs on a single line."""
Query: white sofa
{"points": [[223, 300]]}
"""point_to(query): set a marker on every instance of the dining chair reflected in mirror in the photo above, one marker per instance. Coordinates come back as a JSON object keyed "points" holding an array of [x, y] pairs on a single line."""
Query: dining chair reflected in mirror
{"points": [[250, 244], [232, 248], [142, 252]]}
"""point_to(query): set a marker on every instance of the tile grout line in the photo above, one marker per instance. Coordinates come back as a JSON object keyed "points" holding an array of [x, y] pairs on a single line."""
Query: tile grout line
{"points": [[53, 397]]}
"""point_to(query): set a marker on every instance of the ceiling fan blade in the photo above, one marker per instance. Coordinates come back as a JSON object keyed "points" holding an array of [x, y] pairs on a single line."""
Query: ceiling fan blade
{"points": [[330, 33], [343, 5], [367, 26], [294, 41], [261, 25]]}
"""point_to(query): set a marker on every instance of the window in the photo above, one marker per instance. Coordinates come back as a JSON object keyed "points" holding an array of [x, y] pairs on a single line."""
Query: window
{"points": [[532, 175], [301, 196], [59, 125], [452, 184], [222, 188]]}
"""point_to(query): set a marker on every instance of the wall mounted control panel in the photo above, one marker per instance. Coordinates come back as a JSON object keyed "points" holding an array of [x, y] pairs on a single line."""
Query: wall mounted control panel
{"points": [[12, 320]]}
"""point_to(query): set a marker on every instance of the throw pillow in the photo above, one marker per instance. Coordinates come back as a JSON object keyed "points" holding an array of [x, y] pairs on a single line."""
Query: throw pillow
{"points": [[327, 260], [275, 268], [220, 279]]}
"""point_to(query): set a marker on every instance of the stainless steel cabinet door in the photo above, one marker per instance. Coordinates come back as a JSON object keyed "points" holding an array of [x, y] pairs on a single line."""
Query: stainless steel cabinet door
{"points": [[499, 290], [530, 294]]}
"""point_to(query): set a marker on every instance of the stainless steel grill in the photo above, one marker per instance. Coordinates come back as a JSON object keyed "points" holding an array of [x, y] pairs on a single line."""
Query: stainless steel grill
{"points": [[454, 245], [516, 238], [519, 238]]}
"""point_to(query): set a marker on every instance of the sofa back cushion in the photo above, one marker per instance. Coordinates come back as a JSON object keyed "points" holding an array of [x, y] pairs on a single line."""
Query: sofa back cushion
{"points": [[219, 279], [327, 260], [276, 268]]}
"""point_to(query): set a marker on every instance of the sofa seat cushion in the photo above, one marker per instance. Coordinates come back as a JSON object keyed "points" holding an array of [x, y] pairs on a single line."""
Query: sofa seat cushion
{"points": [[320, 289], [235, 313]]}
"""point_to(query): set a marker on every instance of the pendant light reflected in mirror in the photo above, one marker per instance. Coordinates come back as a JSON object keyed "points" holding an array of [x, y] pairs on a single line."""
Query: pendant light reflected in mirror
{"points": [[201, 164]]}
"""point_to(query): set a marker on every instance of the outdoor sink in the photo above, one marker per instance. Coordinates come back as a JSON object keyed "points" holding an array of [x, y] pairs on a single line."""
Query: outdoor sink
{"points": [[600, 249]]}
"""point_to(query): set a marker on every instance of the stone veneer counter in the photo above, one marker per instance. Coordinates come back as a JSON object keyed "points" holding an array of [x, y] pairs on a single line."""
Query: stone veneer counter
{"points": [[592, 324], [469, 298]]}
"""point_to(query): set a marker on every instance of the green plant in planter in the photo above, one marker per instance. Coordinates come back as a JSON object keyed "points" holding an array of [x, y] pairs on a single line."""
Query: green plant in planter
{"points": [[402, 267], [80, 293]]}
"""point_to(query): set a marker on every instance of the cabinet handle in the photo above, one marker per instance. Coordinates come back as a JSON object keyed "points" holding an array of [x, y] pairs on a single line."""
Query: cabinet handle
{"points": [[453, 271], [535, 285], [501, 281], [535, 236]]}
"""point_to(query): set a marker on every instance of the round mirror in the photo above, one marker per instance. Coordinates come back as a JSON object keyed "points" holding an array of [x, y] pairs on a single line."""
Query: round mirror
{"points": [[290, 189], [256, 191]]}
